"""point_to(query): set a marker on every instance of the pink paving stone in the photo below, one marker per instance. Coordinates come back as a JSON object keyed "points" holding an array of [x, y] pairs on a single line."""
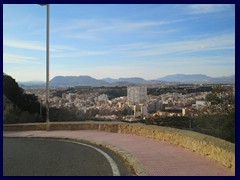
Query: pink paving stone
{"points": [[158, 158]]}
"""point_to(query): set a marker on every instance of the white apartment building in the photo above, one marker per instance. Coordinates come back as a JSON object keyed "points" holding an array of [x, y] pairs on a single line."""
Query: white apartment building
{"points": [[136, 94]]}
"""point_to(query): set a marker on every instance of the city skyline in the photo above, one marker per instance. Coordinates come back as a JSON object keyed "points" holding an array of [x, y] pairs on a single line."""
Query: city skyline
{"points": [[148, 41]]}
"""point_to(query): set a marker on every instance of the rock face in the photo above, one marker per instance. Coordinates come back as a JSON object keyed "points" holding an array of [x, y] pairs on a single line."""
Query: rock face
{"points": [[213, 148]]}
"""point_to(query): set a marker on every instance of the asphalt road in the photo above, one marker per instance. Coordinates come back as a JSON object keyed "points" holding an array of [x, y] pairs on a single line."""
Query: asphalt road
{"points": [[50, 157]]}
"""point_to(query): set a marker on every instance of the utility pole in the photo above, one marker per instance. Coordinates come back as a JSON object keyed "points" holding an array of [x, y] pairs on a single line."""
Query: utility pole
{"points": [[47, 67], [47, 80]]}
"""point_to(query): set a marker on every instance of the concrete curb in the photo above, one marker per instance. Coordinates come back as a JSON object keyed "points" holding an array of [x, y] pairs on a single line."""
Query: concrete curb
{"points": [[133, 162]]}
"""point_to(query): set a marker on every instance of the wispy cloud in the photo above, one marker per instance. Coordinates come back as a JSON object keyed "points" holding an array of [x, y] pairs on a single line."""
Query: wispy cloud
{"points": [[99, 25], [206, 8], [143, 50], [16, 59], [191, 61], [34, 45], [93, 29], [82, 53], [57, 48], [222, 42], [126, 26]]}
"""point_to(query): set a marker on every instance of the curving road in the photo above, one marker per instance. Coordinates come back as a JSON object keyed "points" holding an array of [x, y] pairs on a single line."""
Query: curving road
{"points": [[49, 157], [156, 157]]}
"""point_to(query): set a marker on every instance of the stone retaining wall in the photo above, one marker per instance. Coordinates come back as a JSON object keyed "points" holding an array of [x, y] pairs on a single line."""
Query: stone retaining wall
{"points": [[213, 148]]}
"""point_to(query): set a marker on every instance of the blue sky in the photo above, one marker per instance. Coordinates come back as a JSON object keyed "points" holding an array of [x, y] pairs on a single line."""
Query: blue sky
{"points": [[140, 40]]}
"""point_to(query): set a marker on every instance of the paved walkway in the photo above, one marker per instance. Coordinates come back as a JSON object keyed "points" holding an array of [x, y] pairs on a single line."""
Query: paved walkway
{"points": [[157, 158]]}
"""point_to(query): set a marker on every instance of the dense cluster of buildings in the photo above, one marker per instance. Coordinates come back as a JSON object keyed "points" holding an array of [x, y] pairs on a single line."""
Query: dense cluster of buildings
{"points": [[137, 103]]}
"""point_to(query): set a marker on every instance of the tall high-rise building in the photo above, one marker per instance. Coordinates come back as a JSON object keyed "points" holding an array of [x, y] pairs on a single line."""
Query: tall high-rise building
{"points": [[136, 94], [137, 97]]}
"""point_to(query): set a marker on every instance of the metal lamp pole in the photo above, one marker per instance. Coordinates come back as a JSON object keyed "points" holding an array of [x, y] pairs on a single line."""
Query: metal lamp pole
{"points": [[47, 67]]}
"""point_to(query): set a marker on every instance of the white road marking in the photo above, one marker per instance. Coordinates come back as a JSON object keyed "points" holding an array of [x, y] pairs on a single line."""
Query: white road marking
{"points": [[112, 163]]}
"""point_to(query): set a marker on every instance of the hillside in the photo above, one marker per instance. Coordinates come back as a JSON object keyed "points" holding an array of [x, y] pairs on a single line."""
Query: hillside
{"points": [[18, 107]]}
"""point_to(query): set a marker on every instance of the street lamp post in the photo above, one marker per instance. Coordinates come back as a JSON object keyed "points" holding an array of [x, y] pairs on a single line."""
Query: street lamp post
{"points": [[47, 67]]}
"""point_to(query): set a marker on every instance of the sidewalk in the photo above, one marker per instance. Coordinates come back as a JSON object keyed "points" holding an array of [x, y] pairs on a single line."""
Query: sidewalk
{"points": [[157, 158]]}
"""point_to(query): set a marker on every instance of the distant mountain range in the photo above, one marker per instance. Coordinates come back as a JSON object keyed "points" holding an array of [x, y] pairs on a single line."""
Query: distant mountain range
{"points": [[33, 83], [132, 80], [68, 81], [198, 78]]}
